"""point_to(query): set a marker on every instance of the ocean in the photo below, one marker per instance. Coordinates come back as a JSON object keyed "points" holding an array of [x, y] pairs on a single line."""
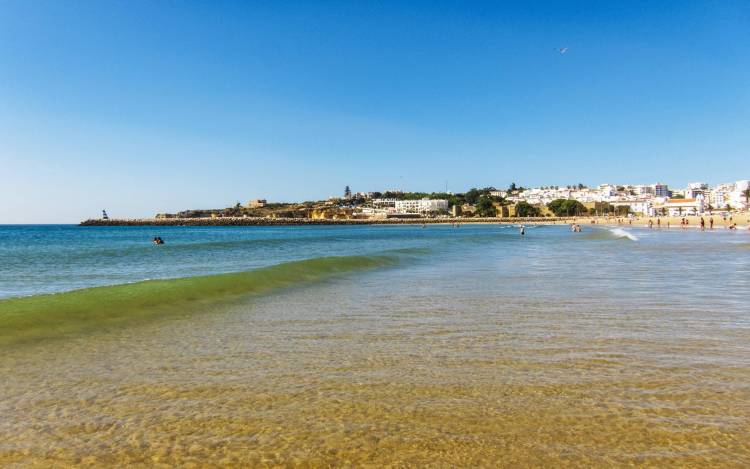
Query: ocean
{"points": [[374, 346]]}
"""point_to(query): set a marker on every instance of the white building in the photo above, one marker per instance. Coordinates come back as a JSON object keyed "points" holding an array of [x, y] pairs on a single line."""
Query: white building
{"points": [[607, 190], [642, 207], [696, 188], [730, 194], [421, 206], [737, 199], [383, 203], [643, 189], [680, 207], [720, 196]]}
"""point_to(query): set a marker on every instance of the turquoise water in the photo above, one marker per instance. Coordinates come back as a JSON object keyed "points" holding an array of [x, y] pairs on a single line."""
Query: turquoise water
{"points": [[57, 258], [374, 346], [48, 259]]}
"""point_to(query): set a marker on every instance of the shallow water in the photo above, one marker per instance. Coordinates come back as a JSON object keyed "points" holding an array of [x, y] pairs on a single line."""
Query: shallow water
{"points": [[474, 347]]}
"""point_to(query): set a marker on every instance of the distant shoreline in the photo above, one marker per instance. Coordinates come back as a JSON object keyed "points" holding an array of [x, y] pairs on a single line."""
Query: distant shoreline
{"points": [[252, 221], [740, 218]]}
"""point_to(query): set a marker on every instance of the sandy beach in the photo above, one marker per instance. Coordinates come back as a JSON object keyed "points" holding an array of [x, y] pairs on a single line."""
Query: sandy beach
{"points": [[741, 219]]}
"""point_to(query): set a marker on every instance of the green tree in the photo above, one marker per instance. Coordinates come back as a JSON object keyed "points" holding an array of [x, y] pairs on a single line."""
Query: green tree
{"points": [[485, 207], [472, 196], [512, 187], [525, 209], [566, 207]]}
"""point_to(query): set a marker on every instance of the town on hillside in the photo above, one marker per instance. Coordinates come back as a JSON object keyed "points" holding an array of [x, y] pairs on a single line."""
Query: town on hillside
{"points": [[515, 201]]}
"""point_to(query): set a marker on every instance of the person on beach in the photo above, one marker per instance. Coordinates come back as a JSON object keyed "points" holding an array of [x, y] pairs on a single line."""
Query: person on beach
{"points": [[711, 223], [703, 224], [650, 223], [658, 222]]}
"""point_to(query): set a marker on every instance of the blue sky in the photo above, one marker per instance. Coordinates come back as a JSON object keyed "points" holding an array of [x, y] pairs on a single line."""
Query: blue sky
{"points": [[145, 107]]}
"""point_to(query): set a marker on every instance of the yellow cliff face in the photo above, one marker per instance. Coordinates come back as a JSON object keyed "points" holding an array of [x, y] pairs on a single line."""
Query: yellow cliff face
{"points": [[331, 214]]}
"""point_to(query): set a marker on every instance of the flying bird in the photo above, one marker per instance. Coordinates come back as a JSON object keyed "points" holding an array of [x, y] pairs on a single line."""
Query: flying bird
{"points": [[562, 50]]}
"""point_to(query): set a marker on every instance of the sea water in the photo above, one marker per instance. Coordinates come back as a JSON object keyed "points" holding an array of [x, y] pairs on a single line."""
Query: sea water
{"points": [[373, 346]]}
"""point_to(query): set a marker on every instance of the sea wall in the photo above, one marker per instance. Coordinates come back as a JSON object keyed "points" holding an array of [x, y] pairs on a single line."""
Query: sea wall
{"points": [[249, 221]]}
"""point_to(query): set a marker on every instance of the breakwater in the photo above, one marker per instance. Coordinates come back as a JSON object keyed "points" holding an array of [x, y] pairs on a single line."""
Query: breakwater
{"points": [[252, 221]]}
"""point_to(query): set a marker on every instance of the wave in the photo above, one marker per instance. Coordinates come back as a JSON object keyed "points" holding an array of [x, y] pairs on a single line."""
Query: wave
{"points": [[611, 233], [620, 233], [87, 310]]}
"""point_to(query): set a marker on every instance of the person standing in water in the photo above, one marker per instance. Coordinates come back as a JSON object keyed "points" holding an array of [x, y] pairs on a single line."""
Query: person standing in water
{"points": [[523, 230], [703, 224]]}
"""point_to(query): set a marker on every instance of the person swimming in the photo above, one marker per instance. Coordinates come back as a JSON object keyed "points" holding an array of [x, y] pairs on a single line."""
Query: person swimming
{"points": [[158, 240]]}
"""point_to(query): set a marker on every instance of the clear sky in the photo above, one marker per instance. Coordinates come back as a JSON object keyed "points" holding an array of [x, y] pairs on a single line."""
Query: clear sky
{"points": [[145, 107]]}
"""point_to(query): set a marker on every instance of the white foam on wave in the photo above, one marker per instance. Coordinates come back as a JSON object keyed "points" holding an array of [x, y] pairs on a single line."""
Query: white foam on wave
{"points": [[620, 233]]}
